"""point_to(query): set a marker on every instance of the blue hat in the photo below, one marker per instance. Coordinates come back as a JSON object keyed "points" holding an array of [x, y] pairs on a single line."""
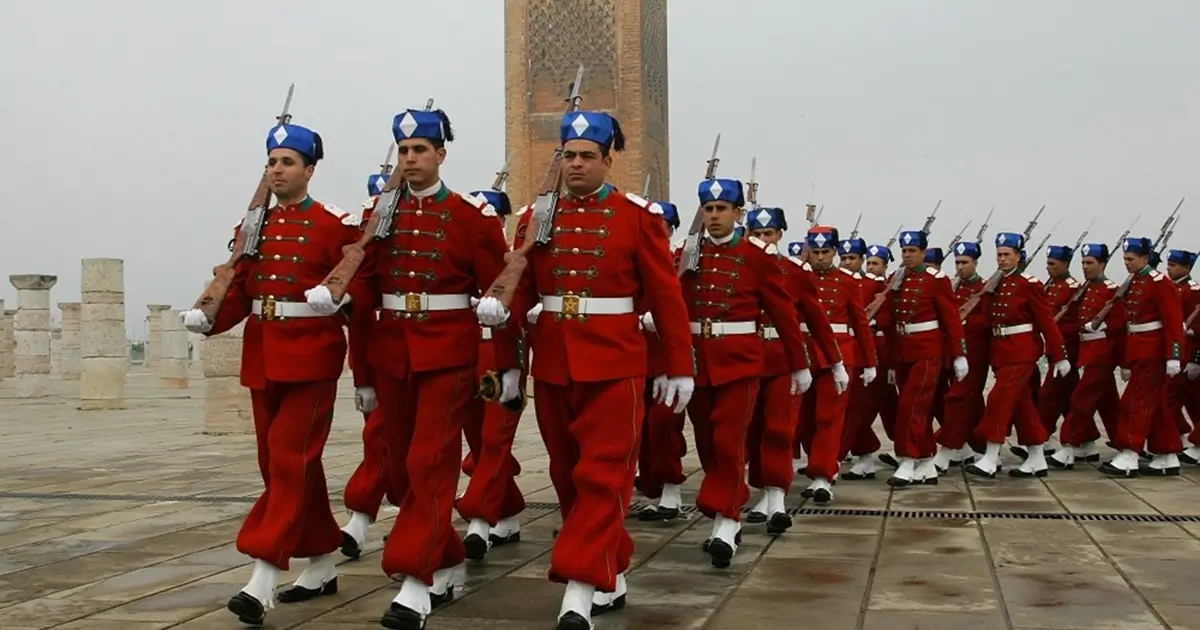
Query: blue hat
{"points": [[294, 137], [914, 238], [935, 256], [375, 182], [795, 247], [880, 251], [1099, 251], [967, 248], [418, 123], [583, 125], [1060, 252], [852, 246], [670, 213], [739, 229], [1181, 257], [721, 190], [498, 201], [1137, 245], [1013, 240], [822, 236], [764, 218]]}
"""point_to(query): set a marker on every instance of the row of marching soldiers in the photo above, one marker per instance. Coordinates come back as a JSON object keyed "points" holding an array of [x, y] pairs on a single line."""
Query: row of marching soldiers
{"points": [[769, 354]]}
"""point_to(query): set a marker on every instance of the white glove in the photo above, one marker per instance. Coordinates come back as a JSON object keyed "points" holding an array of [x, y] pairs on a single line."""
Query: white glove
{"points": [[658, 388], [491, 312], [1193, 371], [364, 399], [960, 368], [1062, 367], [1125, 374], [1172, 367], [868, 376], [533, 313], [841, 380], [474, 301], [321, 300], [891, 377], [801, 381], [1089, 327], [195, 320], [648, 322], [510, 385], [679, 392]]}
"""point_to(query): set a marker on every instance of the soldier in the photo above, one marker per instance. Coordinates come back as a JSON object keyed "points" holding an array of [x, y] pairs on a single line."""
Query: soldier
{"points": [[934, 257], [1019, 319], [1054, 397], [1181, 392], [823, 412], [292, 357], [605, 250], [964, 399], [1096, 391], [492, 501], [880, 397], [927, 329], [773, 426], [734, 282], [443, 248]]}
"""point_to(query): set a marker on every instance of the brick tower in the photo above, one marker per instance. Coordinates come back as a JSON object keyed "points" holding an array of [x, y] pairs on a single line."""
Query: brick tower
{"points": [[622, 45]]}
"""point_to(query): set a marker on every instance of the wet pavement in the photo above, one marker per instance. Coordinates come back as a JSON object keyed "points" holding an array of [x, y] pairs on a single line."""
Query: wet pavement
{"points": [[125, 520]]}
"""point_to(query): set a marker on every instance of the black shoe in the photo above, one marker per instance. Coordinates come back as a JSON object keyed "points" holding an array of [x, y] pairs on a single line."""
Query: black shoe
{"points": [[294, 594], [756, 517], [1149, 471], [402, 618], [897, 482], [853, 476], [720, 552], [806, 493], [1019, 451], [515, 537], [821, 496], [708, 541], [476, 547], [441, 599], [249, 610], [979, 472], [1112, 471], [573, 621], [1188, 459], [350, 547], [1054, 463], [889, 459], [617, 604], [1021, 474], [928, 481], [779, 522]]}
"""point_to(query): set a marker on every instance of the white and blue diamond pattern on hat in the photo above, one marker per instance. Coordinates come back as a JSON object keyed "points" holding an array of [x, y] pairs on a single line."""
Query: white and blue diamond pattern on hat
{"points": [[417, 123], [715, 189], [407, 124], [961, 249], [908, 239], [1087, 250], [580, 125], [730, 190], [820, 240], [280, 134], [794, 248], [845, 247], [375, 183], [596, 127], [294, 137], [763, 218]]}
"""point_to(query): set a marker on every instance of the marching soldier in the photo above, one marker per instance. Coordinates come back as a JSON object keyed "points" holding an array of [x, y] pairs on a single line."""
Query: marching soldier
{"points": [[880, 397], [1153, 349], [605, 250], [934, 257], [1096, 391], [292, 357], [1181, 391], [1019, 319], [1054, 397], [851, 252], [964, 399], [734, 283]]}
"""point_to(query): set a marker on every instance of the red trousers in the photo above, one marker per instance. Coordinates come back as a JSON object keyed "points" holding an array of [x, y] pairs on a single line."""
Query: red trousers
{"points": [[860, 413], [964, 405], [1141, 422], [592, 432], [1181, 393], [1096, 392], [492, 494], [772, 431], [939, 396], [881, 400], [918, 384], [368, 485], [292, 517], [1054, 398], [423, 417], [1009, 402], [720, 420], [822, 414], [660, 458]]}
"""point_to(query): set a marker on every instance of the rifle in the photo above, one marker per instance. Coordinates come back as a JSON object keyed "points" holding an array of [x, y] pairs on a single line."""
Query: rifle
{"points": [[857, 222], [752, 186], [690, 260], [994, 280], [646, 187], [898, 275], [502, 175], [378, 227], [1079, 293], [896, 235], [820, 211], [386, 167], [983, 228], [1040, 245], [245, 244], [1164, 235], [957, 239], [810, 214]]}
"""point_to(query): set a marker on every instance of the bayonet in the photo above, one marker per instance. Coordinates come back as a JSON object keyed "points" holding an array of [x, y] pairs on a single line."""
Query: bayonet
{"points": [[285, 118], [1079, 241], [820, 211], [502, 174], [857, 222], [386, 167], [752, 186], [646, 187], [983, 228], [957, 238], [896, 235], [930, 219], [711, 171], [689, 260], [1033, 222], [810, 214]]}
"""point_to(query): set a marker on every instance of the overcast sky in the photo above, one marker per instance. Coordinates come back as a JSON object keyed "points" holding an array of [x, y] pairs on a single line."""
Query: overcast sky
{"points": [[135, 128]]}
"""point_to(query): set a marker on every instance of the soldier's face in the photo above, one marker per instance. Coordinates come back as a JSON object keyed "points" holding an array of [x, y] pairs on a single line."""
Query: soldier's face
{"points": [[1092, 267], [420, 162], [853, 262], [1135, 263], [1176, 271], [1007, 258], [821, 257], [770, 236], [584, 168], [1056, 268], [965, 266], [287, 174], [719, 218], [876, 266], [912, 256]]}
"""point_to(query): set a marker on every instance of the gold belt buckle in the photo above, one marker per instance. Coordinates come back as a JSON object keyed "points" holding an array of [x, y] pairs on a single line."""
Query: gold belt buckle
{"points": [[570, 305], [268, 308], [997, 331], [412, 302], [706, 329]]}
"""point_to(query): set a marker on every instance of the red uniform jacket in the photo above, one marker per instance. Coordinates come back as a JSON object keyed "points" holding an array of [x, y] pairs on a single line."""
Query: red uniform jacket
{"points": [[1152, 297], [841, 297], [299, 245], [873, 285], [1102, 349], [975, 328], [656, 363], [604, 245], [820, 343], [443, 244], [736, 282], [1020, 300], [924, 296], [1059, 292], [1189, 297]]}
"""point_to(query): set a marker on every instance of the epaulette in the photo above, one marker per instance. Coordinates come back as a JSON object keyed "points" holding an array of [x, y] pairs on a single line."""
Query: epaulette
{"points": [[1073, 283], [642, 203], [1156, 275], [480, 204], [522, 210], [1110, 284], [871, 276], [352, 220], [936, 273], [370, 202], [847, 272], [800, 263], [1031, 278], [1195, 285], [771, 249], [757, 242]]}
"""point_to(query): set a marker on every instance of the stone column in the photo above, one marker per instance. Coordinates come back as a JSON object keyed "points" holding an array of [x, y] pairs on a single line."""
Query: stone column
{"points": [[104, 350], [8, 345], [31, 331], [56, 351], [69, 365], [197, 342], [226, 403], [172, 365], [154, 327]]}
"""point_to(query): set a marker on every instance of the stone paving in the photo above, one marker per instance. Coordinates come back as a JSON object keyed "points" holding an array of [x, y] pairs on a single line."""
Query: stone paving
{"points": [[125, 520]]}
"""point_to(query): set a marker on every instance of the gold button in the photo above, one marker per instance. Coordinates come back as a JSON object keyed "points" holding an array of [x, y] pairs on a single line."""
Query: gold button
{"points": [[412, 274], [414, 252], [574, 250], [572, 272], [416, 232], [278, 257], [578, 230], [302, 239], [272, 276], [279, 220], [279, 238], [420, 212]]}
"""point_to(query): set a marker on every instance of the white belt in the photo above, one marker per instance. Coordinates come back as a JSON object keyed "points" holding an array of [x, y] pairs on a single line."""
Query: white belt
{"points": [[276, 310], [919, 327], [576, 305], [1007, 331], [1092, 336], [485, 333], [708, 329], [1146, 327], [840, 329], [423, 302], [768, 333]]}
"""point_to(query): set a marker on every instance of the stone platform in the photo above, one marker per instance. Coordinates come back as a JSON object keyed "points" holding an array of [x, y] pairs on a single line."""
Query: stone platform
{"points": [[125, 520]]}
